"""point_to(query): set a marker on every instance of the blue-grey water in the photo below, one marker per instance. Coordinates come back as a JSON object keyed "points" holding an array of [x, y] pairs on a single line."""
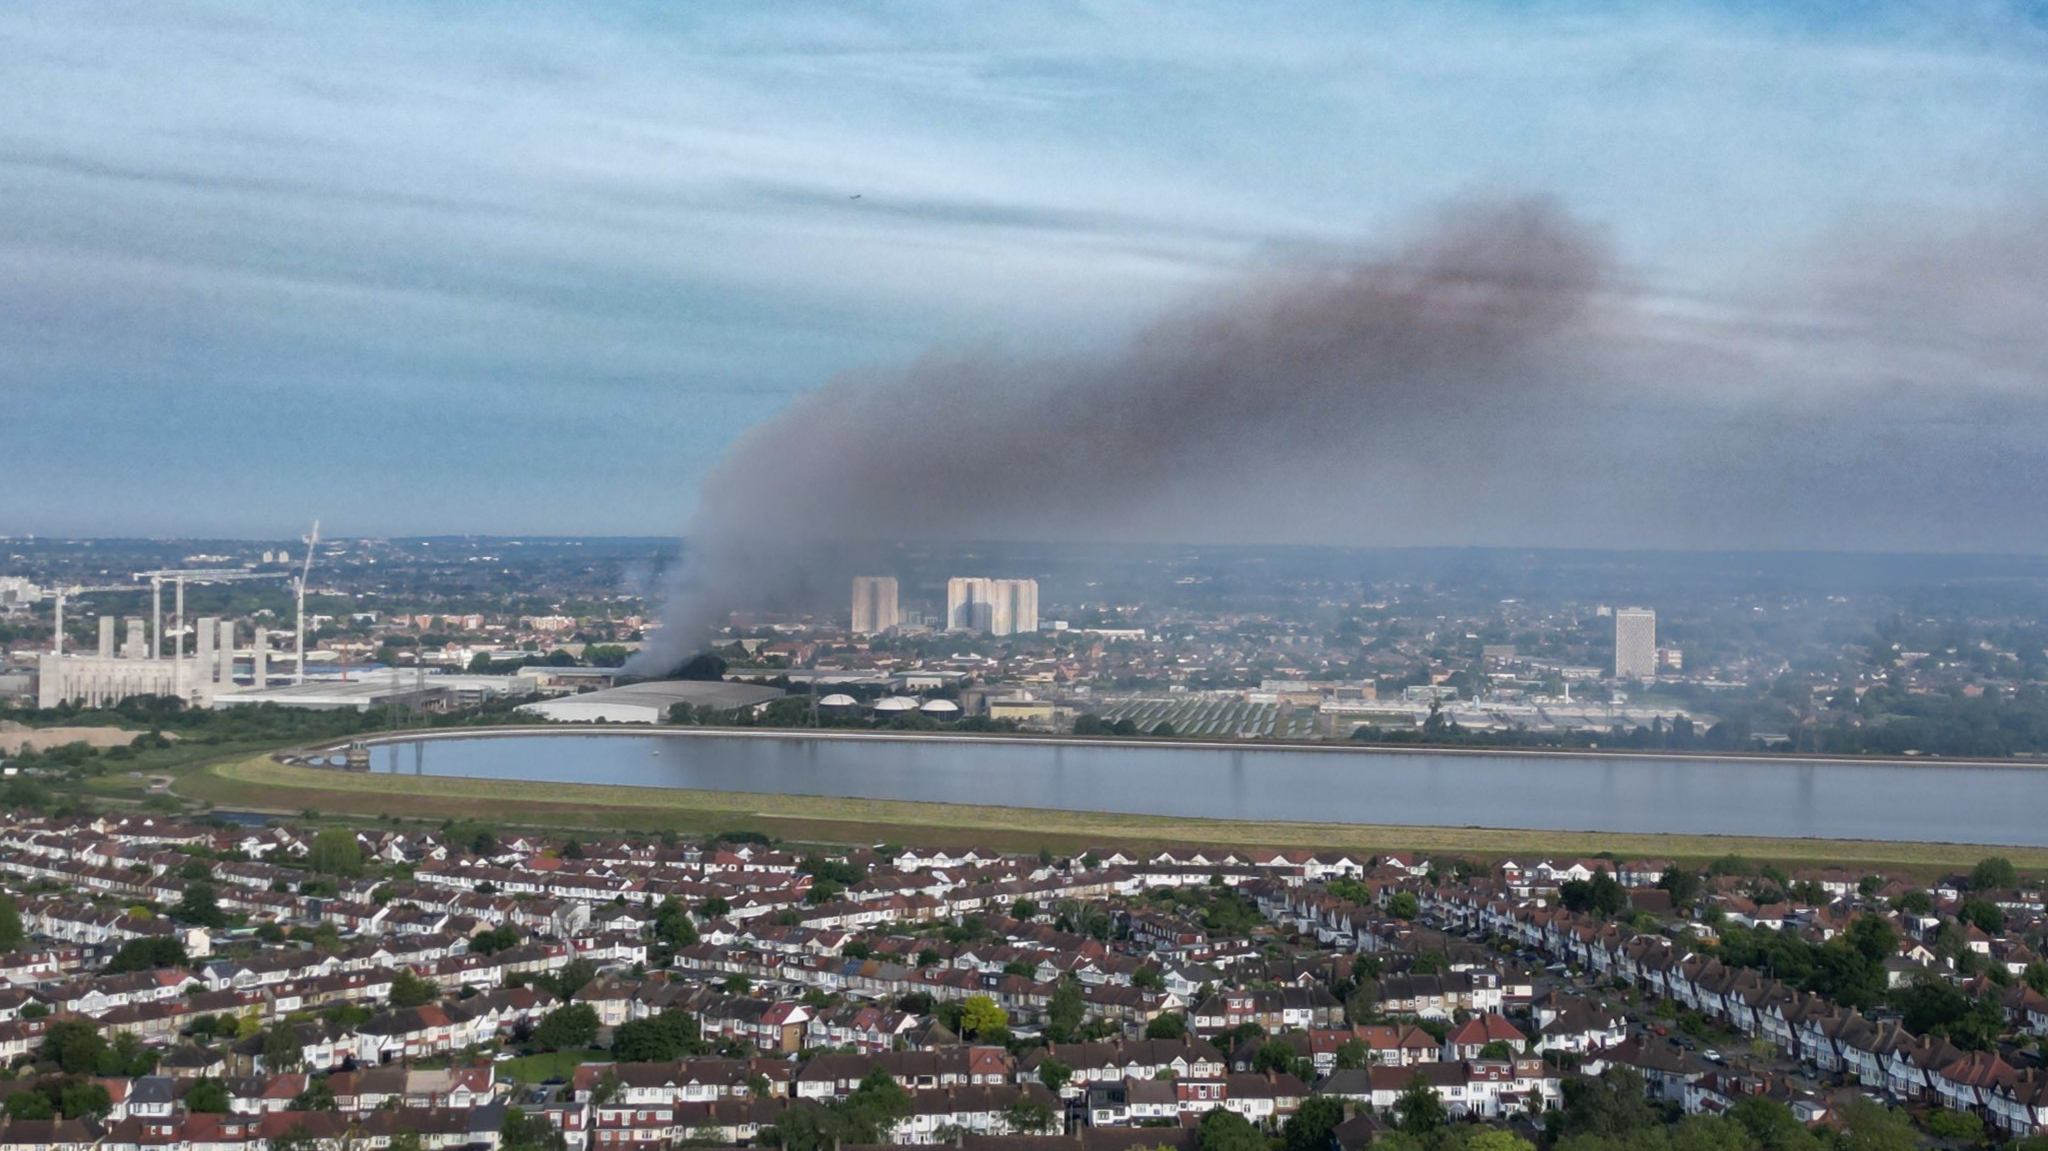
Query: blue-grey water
{"points": [[1884, 801]]}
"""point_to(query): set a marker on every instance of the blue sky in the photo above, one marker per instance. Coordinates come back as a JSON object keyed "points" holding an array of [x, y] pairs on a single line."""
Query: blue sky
{"points": [[534, 268]]}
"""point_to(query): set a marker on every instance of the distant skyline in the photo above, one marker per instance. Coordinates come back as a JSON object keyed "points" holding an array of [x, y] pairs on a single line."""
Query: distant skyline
{"points": [[533, 268]]}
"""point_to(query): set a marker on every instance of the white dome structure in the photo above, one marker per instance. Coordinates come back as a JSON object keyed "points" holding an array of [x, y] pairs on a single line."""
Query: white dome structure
{"points": [[838, 699], [940, 708], [896, 704]]}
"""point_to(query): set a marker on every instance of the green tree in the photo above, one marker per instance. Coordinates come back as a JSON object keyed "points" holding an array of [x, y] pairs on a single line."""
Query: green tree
{"points": [[1311, 1124], [75, 1046], [1167, 1025], [148, 953], [1495, 1139], [199, 907], [1404, 905], [1055, 1075], [1352, 1054], [1226, 1130], [1063, 1014], [673, 926], [336, 851], [1994, 874], [30, 1105], [281, 1048], [564, 1028], [10, 923], [409, 990], [980, 1015], [1417, 1110], [661, 1038], [1028, 1117], [1611, 1105], [1867, 1126], [209, 1096], [524, 1132]]}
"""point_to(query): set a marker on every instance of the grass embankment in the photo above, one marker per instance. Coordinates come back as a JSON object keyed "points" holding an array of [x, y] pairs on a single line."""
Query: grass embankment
{"points": [[264, 785]]}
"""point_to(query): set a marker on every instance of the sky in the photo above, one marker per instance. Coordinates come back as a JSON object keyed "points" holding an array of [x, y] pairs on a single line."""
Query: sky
{"points": [[540, 268]]}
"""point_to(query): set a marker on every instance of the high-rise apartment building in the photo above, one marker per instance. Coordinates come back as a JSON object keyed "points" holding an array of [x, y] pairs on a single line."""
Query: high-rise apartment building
{"points": [[874, 604], [1635, 643], [996, 606]]}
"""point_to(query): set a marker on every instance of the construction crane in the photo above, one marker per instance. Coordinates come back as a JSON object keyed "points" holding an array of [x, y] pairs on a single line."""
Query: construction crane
{"points": [[312, 541], [179, 577]]}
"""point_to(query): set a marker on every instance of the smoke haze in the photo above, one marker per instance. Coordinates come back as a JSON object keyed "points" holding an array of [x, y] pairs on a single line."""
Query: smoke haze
{"points": [[1497, 376]]}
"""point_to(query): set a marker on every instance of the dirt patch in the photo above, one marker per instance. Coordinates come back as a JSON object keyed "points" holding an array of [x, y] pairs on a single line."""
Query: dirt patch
{"points": [[15, 737]]}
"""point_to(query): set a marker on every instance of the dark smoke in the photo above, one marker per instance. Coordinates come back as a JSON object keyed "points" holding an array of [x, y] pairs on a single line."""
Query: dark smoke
{"points": [[1494, 379]]}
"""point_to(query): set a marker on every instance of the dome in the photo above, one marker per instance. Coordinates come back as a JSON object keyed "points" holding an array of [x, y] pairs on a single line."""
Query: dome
{"points": [[940, 707], [837, 699], [896, 703]]}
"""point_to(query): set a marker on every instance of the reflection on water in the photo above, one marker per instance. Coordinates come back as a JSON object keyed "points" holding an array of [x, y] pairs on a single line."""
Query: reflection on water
{"points": [[1563, 792]]}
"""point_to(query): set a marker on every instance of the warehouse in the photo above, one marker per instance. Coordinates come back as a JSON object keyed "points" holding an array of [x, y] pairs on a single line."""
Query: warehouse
{"points": [[649, 702]]}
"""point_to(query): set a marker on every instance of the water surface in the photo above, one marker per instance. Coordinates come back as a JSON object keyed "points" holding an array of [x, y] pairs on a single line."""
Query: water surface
{"points": [[1778, 798]]}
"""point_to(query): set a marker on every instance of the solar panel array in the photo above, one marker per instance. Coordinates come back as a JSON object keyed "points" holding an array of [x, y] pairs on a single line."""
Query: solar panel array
{"points": [[1216, 718]]}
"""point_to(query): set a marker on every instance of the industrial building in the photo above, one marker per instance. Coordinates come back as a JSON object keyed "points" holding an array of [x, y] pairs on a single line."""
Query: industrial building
{"points": [[410, 688], [1635, 643], [132, 667], [875, 604], [994, 606], [650, 701]]}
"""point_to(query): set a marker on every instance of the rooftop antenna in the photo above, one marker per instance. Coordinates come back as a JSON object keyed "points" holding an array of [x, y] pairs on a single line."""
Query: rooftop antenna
{"points": [[305, 572]]}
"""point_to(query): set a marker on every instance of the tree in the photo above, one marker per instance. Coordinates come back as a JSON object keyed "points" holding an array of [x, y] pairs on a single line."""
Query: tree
{"points": [[495, 940], [1683, 884], [1310, 1127], [1352, 1054], [409, 990], [1023, 909], [318, 1096], [1028, 1117], [1063, 1014], [199, 907], [659, 1038], [1417, 1110], [1983, 913], [524, 1132], [1055, 1075], [568, 1027], [1495, 1139], [673, 925], [30, 1105], [10, 923], [1994, 874], [1149, 979], [1226, 1130], [570, 978], [980, 1015], [1610, 1105], [1867, 1126], [1275, 1056], [1404, 905], [209, 1096], [1167, 1025], [281, 1049], [148, 953], [75, 1046], [336, 851]]}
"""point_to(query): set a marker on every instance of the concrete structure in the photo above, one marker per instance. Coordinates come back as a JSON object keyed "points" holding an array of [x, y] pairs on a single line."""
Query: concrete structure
{"points": [[995, 606], [113, 673], [383, 687], [649, 702], [874, 604], [1635, 643]]}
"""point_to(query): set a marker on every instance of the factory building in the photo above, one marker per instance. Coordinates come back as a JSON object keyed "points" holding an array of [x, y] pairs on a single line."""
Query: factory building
{"points": [[874, 604], [1635, 643], [995, 606], [125, 664]]}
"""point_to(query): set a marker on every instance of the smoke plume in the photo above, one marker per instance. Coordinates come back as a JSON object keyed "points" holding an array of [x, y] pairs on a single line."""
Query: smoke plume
{"points": [[1496, 377]]}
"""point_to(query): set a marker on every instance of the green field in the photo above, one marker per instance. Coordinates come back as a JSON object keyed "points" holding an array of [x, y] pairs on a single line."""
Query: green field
{"points": [[548, 1065], [261, 784]]}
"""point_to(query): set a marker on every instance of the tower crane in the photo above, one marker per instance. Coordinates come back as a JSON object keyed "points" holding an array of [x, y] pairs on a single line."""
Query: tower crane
{"points": [[312, 541], [63, 593]]}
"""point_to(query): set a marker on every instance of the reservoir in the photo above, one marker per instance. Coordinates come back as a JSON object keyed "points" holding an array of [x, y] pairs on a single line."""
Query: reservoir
{"points": [[1955, 803]]}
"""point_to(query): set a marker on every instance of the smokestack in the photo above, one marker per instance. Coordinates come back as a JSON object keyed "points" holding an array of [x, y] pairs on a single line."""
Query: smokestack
{"points": [[107, 625], [137, 646], [259, 658], [227, 654], [200, 685]]}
